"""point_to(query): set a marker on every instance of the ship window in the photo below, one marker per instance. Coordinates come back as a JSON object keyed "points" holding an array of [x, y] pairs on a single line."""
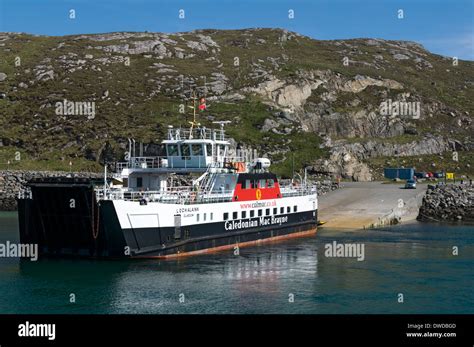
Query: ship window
{"points": [[267, 212], [282, 210], [226, 216], [209, 149], [288, 209], [295, 208], [275, 210], [252, 213], [196, 149], [270, 183], [139, 182], [254, 184], [172, 150], [212, 216], [260, 213], [244, 214], [247, 184], [261, 183], [185, 151], [234, 215], [204, 217], [197, 217], [221, 150]]}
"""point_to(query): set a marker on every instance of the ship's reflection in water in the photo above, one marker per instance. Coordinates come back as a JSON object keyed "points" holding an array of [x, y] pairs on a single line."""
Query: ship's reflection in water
{"points": [[269, 267], [218, 283], [287, 277]]}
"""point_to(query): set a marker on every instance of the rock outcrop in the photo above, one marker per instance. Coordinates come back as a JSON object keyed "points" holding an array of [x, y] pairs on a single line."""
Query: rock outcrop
{"points": [[448, 203], [12, 181]]}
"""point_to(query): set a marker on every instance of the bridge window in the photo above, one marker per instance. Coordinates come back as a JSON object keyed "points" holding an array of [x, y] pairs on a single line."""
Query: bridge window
{"points": [[244, 214], [261, 183], [185, 153], [221, 149], [139, 182], [252, 213], [226, 216], [196, 149], [270, 183], [254, 184], [234, 215], [209, 149], [246, 184], [260, 212], [267, 212], [172, 150]]}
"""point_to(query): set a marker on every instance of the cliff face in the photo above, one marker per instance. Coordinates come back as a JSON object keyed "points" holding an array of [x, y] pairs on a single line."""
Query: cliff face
{"points": [[340, 106]]}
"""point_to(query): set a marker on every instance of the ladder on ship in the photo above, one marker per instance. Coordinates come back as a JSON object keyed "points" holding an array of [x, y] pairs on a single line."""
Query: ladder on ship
{"points": [[206, 182]]}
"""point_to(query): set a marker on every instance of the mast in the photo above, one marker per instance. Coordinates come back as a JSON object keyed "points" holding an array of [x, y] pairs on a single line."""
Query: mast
{"points": [[193, 122]]}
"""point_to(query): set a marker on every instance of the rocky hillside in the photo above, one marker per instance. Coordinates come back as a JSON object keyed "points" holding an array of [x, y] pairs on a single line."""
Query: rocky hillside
{"points": [[297, 100]]}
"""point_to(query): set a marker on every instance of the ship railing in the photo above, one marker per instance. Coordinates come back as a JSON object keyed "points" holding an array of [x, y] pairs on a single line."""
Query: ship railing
{"points": [[158, 162], [196, 133], [198, 161], [297, 190], [176, 195], [25, 193]]}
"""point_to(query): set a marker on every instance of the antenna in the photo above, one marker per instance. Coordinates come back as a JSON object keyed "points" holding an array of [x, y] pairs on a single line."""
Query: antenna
{"points": [[222, 123]]}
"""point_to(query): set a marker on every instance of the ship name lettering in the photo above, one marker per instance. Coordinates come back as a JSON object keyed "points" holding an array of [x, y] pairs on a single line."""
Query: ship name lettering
{"points": [[187, 209]]}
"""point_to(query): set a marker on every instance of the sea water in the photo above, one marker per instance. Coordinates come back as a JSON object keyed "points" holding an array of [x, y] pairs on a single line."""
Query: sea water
{"points": [[413, 268]]}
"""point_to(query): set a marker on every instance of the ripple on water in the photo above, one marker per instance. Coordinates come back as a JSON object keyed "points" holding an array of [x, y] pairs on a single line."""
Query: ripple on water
{"points": [[415, 260]]}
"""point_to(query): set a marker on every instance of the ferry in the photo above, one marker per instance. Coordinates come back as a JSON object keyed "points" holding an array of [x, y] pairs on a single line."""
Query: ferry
{"points": [[231, 201]]}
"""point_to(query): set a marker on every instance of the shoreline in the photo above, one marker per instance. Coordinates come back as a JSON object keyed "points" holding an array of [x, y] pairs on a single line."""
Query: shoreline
{"points": [[365, 205]]}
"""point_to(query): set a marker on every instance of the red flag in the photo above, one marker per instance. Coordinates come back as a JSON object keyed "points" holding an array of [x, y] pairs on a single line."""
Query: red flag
{"points": [[202, 104]]}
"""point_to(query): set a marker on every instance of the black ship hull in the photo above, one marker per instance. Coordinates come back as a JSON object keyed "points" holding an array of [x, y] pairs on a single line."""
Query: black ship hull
{"points": [[92, 228]]}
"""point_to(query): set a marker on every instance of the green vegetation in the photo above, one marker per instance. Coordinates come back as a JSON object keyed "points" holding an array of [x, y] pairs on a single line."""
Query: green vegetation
{"points": [[139, 100]]}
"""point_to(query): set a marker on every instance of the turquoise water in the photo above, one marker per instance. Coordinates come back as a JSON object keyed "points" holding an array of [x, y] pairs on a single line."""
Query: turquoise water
{"points": [[415, 260]]}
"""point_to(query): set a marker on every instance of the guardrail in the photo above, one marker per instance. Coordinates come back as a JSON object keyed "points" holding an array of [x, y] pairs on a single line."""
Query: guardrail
{"points": [[187, 195], [197, 133], [176, 162], [288, 191], [177, 195]]}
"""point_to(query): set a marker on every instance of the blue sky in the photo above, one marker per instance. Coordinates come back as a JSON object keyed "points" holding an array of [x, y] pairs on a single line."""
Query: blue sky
{"points": [[444, 27]]}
